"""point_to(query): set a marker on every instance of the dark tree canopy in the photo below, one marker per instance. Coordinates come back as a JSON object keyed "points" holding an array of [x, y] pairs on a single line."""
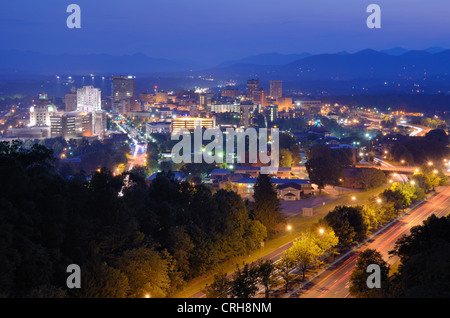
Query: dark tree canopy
{"points": [[129, 241], [266, 205]]}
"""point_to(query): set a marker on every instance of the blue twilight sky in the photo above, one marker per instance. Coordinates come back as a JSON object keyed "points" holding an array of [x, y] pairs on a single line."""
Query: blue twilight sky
{"points": [[219, 30]]}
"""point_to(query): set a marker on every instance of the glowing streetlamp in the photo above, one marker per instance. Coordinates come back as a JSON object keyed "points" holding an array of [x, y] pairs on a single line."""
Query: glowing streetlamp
{"points": [[289, 228]]}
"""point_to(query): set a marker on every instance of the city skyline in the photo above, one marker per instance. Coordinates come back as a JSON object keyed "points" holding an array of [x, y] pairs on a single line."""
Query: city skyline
{"points": [[225, 149]]}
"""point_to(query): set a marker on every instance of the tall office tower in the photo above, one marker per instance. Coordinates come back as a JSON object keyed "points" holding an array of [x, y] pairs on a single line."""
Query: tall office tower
{"points": [[98, 123], [89, 99], [247, 109], [276, 89], [260, 97], [123, 87], [70, 100], [205, 100], [252, 86], [66, 125]]}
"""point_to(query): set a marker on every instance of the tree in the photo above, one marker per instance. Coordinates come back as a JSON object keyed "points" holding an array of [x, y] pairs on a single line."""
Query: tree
{"points": [[370, 178], [286, 158], [349, 225], [325, 166], [147, 272], [152, 156], [245, 282], [358, 278], [266, 205], [285, 266], [323, 236], [424, 261], [100, 280], [305, 253], [268, 276], [220, 287], [438, 136], [396, 196]]}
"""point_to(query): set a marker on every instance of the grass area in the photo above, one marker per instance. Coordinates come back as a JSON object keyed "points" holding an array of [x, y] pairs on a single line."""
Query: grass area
{"points": [[299, 225]]}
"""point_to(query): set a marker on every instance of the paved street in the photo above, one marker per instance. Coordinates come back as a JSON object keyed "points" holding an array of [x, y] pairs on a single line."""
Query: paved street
{"points": [[333, 283]]}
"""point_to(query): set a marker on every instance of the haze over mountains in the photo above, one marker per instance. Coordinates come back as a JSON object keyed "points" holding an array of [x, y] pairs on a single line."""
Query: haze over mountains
{"points": [[395, 64], [396, 70], [28, 62]]}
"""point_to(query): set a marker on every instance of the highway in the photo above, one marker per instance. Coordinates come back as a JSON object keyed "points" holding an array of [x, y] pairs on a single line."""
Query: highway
{"points": [[334, 281]]}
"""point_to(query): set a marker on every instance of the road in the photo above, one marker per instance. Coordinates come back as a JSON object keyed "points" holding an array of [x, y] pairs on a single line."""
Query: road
{"points": [[334, 282], [403, 178], [418, 130], [137, 146]]}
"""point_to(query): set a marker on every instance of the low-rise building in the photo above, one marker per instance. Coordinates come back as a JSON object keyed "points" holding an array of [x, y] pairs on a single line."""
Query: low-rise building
{"points": [[287, 189]]}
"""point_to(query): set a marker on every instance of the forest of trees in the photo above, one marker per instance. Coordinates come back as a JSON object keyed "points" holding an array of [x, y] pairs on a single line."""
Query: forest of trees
{"points": [[420, 150], [148, 240]]}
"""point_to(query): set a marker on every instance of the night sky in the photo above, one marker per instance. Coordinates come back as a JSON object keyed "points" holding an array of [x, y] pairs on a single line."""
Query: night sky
{"points": [[220, 30]]}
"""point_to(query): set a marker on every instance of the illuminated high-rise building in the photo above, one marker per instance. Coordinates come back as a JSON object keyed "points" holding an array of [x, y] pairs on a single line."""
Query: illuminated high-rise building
{"points": [[70, 100], [123, 87], [272, 113], [276, 89], [247, 110], [89, 99], [252, 86], [260, 97], [40, 112]]}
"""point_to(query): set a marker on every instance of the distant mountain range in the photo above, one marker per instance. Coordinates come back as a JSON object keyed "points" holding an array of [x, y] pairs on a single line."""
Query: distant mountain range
{"points": [[27, 62], [389, 64], [267, 59], [365, 72]]}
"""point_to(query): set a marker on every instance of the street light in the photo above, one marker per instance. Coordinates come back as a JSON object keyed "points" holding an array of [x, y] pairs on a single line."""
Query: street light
{"points": [[321, 231], [289, 227]]}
